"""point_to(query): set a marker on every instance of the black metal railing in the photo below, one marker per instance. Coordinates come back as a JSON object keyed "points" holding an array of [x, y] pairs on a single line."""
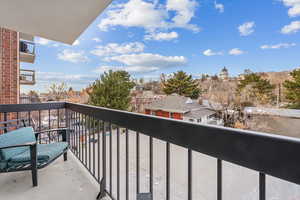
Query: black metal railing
{"points": [[117, 148]]}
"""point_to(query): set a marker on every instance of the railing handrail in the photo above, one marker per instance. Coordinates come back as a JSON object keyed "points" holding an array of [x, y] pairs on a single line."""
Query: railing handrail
{"points": [[6, 108], [270, 154]]}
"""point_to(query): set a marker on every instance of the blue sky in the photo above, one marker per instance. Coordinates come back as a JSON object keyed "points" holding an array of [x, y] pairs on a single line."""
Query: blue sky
{"points": [[148, 38]]}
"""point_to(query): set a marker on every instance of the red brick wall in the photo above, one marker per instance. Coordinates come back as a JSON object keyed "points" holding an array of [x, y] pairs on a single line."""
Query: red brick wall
{"points": [[9, 67]]}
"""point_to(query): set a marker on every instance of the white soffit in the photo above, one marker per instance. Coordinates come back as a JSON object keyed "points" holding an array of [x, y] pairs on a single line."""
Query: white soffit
{"points": [[59, 20]]}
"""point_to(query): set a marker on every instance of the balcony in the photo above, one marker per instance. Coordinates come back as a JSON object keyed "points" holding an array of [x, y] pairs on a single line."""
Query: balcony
{"points": [[27, 51], [27, 77], [27, 37], [134, 156]]}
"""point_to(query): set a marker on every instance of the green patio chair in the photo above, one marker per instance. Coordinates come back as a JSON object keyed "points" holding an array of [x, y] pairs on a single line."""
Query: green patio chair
{"points": [[20, 150]]}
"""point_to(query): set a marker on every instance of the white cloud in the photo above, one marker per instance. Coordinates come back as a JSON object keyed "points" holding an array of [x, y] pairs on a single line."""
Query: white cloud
{"points": [[96, 39], [143, 62], [185, 11], [149, 59], [130, 69], [76, 43], [294, 7], [56, 45], [42, 41], [246, 28], [210, 52], [62, 77], [105, 68], [135, 13], [72, 56], [161, 36], [115, 48], [151, 15], [219, 7], [278, 46], [236, 52], [78, 81], [293, 27]]}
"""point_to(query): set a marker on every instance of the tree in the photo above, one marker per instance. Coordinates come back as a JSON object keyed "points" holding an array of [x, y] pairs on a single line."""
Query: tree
{"points": [[58, 91], [293, 89], [33, 96], [112, 90], [255, 89], [181, 84], [141, 81]]}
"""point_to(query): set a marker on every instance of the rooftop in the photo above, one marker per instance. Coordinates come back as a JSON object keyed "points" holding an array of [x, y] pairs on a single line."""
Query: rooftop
{"points": [[175, 103], [293, 113]]}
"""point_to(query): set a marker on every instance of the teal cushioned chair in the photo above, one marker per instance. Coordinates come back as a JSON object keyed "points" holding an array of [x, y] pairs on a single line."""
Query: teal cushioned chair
{"points": [[19, 150]]}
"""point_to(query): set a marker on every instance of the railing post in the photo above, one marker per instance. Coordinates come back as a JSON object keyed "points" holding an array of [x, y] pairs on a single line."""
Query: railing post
{"points": [[102, 192], [5, 119], [67, 125]]}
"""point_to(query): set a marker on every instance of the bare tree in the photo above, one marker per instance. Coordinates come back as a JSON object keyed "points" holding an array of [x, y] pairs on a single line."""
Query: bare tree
{"points": [[58, 91]]}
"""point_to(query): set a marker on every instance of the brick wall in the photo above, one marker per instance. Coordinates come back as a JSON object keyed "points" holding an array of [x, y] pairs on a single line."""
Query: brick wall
{"points": [[9, 67]]}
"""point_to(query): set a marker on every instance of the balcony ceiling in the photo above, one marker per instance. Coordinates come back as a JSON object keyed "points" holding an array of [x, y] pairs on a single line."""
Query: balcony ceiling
{"points": [[59, 20]]}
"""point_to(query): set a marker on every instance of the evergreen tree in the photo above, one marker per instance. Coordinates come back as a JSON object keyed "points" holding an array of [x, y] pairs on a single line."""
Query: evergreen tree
{"points": [[293, 89], [181, 84], [254, 88], [112, 90]]}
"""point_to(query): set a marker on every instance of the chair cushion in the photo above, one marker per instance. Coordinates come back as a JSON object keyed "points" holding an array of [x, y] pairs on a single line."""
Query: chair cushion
{"points": [[3, 164], [19, 136], [45, 153]]}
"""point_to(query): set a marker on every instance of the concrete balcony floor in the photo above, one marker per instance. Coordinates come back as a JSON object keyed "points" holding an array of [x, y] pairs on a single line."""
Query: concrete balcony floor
{"points": [[60, 180]]}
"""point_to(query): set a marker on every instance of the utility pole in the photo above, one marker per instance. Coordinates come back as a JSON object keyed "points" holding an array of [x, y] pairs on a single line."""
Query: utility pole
{"points": [[278, 95]]}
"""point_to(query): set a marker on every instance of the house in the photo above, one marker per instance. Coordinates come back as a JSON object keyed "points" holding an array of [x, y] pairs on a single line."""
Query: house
{"points": [[182, 108], [273, 120], [140, 99], [224, 74]]}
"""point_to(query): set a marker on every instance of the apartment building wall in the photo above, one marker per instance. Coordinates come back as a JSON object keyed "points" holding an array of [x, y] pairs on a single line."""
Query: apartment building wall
{"points": [[9, 66]]}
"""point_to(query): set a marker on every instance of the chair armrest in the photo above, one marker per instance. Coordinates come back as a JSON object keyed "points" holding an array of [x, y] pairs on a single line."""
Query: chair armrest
{"points": [[18, 145]]}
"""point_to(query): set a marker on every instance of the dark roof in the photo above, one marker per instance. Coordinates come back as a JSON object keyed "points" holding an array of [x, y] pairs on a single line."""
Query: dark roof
{"points": [[179, 104], [174, 103]]}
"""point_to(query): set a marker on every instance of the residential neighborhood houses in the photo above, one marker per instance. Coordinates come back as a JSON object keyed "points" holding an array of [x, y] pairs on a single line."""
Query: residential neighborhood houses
{"points": [[215, 105]]}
